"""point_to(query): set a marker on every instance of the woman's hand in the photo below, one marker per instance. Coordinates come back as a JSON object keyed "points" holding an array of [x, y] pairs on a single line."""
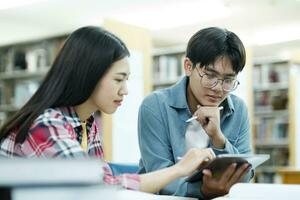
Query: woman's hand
{"points": [[155, 181], [193, 159]]}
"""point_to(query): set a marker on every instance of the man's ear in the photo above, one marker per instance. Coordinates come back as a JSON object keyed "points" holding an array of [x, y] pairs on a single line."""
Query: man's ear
{"points": [[188, 66]]}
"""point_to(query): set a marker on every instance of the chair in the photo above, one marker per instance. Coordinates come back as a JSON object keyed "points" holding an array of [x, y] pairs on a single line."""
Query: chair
{"points": [[119, 168]]}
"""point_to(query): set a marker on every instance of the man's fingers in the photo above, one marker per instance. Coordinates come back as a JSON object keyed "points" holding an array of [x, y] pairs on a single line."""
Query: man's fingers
{"points": [[201, 119], [244, 172], [206, 175], [238, 174], [228, 173]]}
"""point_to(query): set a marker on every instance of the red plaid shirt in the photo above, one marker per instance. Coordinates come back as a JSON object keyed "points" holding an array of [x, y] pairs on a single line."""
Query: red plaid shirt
{"points": [[57, 133]]}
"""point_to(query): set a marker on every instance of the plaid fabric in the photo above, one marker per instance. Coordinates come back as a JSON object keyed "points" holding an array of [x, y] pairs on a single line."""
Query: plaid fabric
{"points": [[58, 133]]}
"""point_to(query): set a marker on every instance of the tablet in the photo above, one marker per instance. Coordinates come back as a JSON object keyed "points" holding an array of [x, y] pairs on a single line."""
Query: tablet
{"points": [[223, 161]]}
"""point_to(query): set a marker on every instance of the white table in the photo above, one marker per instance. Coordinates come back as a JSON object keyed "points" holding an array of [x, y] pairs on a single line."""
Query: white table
{"points": [[259, 191]]}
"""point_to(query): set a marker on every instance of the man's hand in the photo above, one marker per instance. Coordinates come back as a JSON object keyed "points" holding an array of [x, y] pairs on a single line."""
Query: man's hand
{"points": [[212, 187], [209, 118]]}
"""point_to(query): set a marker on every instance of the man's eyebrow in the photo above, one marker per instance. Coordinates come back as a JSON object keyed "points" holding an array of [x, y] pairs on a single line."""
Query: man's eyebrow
{"points": [[216, 72]]}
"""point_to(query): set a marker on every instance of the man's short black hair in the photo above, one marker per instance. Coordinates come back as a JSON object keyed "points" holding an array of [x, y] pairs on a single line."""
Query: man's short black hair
{"points": [[210, 44]]}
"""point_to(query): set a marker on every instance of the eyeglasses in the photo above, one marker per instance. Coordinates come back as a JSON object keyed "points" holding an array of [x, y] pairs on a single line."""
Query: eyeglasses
{"points": [[211, 80]]}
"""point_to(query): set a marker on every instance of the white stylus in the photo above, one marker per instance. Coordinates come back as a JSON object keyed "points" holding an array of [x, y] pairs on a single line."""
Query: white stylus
{"points": [[195, 117]]}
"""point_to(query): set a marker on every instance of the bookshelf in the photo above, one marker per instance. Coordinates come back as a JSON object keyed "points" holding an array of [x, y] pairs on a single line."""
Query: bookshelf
{"points": [[22, 68], [272, 127], [167, 66]]}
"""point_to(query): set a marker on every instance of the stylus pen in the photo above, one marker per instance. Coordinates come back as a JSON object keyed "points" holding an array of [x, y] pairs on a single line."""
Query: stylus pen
{"points": [[179, 158], [195, 117]]}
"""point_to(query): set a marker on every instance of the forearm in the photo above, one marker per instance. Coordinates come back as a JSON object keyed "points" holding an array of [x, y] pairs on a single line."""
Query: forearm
{"points": [[218, 140], [228, 148], [154, 181]]}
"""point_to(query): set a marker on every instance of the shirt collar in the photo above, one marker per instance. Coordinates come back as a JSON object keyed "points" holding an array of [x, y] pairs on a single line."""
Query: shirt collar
{"points": [[73, 118], [178, 97], [228, 106], [178, 94]]}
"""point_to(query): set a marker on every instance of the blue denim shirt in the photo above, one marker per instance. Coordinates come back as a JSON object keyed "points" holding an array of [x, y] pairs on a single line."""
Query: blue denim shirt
{"points": [[162, 128]]}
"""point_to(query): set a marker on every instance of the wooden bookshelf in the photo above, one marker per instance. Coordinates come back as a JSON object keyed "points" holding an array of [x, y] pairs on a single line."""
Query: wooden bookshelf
{"points": [[22, 68], [24, 74], [289, 175], [167, 66], [294, 96], [273, 107]]}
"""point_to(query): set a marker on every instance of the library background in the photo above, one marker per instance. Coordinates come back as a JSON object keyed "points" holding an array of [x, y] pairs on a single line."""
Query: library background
{"points": [[271, 87]]}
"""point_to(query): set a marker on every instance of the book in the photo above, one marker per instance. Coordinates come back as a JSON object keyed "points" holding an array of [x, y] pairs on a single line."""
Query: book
{"points": [[262, 191], [24, 89], [50, 172], [223, 161], [103, 191]]}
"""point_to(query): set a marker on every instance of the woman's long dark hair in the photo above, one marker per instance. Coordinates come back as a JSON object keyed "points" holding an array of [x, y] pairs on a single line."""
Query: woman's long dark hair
{"points": [[86, 56]]}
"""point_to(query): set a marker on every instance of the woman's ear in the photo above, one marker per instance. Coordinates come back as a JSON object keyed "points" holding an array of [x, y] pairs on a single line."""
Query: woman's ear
{"points": [[188, 66]]}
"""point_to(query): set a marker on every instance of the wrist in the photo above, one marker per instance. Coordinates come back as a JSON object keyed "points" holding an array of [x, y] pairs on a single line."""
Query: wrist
{"points": [[219, 141], [177, 171]]}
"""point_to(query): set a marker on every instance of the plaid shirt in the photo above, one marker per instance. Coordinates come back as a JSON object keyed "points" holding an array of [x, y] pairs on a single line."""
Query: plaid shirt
{"points": [[57, 133]]}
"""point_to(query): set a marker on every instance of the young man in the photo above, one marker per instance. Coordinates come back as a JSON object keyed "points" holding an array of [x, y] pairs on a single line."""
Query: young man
{"points": [[213, 59]]}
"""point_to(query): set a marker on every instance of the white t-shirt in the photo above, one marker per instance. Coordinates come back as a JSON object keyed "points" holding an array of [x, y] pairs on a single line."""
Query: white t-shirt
{"points": [[195, 136]]}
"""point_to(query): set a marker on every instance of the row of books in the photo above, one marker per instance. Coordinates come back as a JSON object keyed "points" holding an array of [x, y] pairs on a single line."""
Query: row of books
{"points": [[275, 100], [29, 57], [22, 92], [271, 129], [278, 156], [168, 68], [265, 177], [265, 74]]}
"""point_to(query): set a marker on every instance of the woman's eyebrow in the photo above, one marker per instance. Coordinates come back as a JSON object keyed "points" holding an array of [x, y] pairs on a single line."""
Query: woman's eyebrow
{"points": [[122, 74]]}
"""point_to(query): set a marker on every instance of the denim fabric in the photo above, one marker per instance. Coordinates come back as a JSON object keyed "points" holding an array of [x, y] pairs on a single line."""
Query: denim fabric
{"points": [[162, 128]]}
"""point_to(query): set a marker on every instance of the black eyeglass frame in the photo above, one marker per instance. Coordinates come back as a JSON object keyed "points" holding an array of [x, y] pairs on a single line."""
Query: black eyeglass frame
{"points": [[235, 84]]}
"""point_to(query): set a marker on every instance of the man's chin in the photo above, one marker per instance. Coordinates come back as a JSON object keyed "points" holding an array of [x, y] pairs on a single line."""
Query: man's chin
{"points": [[211, 104]]}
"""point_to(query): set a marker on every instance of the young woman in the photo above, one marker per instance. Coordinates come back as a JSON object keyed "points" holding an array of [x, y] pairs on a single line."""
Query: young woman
{"points": [[88, 75]]}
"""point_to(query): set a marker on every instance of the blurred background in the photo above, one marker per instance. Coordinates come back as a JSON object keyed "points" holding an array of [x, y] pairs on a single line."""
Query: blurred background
{"points": [[156, 32]]}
